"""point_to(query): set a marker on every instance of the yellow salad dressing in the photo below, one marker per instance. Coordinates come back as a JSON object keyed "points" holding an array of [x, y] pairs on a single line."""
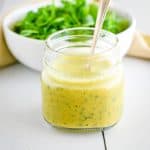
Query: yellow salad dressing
{"points": [[82, 93]]}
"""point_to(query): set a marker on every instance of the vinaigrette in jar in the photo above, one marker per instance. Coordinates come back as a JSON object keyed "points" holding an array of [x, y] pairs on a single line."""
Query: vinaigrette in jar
{"points": [[81, 90]]}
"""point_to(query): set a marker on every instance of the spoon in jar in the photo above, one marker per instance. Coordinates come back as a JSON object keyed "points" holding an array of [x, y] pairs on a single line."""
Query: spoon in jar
{"points": [[103, 8]]}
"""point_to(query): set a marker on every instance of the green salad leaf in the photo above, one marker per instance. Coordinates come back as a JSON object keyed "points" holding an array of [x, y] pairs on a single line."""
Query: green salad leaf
{"points": [[72, 13]]}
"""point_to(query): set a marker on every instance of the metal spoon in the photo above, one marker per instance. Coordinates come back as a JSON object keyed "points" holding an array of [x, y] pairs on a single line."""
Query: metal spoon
{"points": [[103, 8]]}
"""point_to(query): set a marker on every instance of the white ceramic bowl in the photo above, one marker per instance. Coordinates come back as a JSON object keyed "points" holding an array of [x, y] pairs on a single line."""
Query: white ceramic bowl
{"points": [[30, 51]]}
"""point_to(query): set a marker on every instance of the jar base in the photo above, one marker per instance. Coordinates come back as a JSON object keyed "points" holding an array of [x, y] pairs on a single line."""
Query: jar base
{"points": [[78, 129]]}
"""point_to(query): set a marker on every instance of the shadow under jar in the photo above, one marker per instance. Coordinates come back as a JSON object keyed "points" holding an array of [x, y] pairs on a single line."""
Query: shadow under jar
{"points": [[82, 90]]}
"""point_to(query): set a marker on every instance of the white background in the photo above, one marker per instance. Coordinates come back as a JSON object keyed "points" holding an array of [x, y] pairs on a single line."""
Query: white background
{"points": [[21, 124]]}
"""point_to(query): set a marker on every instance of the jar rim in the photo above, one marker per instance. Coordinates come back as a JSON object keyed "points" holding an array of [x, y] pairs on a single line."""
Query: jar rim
{"points": [[56, 34]]}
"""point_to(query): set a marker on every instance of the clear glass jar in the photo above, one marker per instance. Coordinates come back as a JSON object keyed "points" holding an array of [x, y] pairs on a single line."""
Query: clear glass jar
{"points": [[80, 89]]}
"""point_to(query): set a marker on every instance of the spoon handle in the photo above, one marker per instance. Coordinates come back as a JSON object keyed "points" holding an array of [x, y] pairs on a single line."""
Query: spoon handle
{"points": [[103, 8]]}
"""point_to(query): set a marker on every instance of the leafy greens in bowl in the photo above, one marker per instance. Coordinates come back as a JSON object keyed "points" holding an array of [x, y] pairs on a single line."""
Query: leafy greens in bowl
{"points": [[25, 29], [76, 13]]}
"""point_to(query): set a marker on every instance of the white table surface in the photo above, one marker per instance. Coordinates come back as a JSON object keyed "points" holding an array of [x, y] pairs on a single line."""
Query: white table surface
{"points": [[21, 123], [22, 126]]}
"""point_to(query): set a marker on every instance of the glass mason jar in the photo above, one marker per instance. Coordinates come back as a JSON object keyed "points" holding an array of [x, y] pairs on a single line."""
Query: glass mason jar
{"points": [[80, 89]]}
